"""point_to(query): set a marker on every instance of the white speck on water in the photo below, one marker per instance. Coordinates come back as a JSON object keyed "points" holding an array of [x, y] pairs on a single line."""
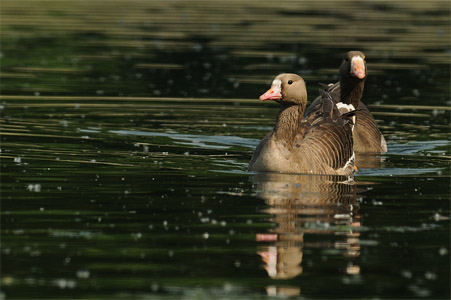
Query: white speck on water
{"points": [[228, 287], [41, 209], [18, 159], [150, 226], [93, 160], [67, 260], [406, 274], [223, 223], [231, 232], [227, 241], [248, 221], [186, 153], [85, 137], [154, 287], [302, 60], [442, 251], [34, 187], [237, 263], [37, 94], [137, 236], [171, 253], [204, 220], [430, 276], [374, 202], [209, 211], [65, 283], [165, 223], [165, 153], [206, 235], [419, 291], [83, 274]]}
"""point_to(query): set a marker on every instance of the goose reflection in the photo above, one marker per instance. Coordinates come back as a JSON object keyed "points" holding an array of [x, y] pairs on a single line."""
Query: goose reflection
{"points": [[305, 204]]}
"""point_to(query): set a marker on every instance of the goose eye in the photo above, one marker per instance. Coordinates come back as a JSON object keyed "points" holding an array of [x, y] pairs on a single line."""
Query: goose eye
{"points": [[290, 81]]}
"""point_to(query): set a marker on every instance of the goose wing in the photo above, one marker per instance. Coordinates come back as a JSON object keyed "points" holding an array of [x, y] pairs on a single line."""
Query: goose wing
{"points": [[327, 133]]}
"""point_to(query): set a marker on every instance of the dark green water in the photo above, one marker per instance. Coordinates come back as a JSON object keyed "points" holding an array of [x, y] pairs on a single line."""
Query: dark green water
{"points": [[127, 128]]}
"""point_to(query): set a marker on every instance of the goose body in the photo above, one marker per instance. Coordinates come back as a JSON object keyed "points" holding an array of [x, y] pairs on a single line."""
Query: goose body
{"points": [[319, 143], [349, 90]]}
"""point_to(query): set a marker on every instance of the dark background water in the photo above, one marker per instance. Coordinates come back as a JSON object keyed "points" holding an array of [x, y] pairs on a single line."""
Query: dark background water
{"points": [[127, 127]]}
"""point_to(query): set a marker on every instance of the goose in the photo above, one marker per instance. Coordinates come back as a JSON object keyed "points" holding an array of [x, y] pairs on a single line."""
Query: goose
{"points": [[349, 90], [319, 143]]}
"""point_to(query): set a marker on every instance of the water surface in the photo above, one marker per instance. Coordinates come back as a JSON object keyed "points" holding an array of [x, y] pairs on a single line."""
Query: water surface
{"points": [[127, 129]]}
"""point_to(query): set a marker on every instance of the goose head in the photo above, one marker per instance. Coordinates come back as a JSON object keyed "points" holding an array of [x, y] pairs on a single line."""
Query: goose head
{"points": [[353, 66], [287, 89]]}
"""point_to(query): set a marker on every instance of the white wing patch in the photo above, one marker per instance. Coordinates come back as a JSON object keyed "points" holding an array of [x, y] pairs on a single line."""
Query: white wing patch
{"points": [[344, 108], [349, 162]]}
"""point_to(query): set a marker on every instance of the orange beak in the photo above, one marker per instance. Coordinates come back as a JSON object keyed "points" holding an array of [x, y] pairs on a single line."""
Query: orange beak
{"points": [[358, 67], [272, 94]]}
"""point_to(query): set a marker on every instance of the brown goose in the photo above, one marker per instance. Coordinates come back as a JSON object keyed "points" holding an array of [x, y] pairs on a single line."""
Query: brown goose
{"points": [[320, 143], [353, 72]]}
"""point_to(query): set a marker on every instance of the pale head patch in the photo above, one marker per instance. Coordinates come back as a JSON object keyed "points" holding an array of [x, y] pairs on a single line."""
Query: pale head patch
{"points": [[277, 83], [356, 59]]}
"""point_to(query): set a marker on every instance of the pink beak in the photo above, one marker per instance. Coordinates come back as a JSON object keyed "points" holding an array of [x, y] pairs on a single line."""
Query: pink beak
{"points": [[272, 94], [358, 68]]}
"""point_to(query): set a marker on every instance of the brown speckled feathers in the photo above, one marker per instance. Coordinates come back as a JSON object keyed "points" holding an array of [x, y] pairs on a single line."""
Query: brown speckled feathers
{"points": [[328, 133]]}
